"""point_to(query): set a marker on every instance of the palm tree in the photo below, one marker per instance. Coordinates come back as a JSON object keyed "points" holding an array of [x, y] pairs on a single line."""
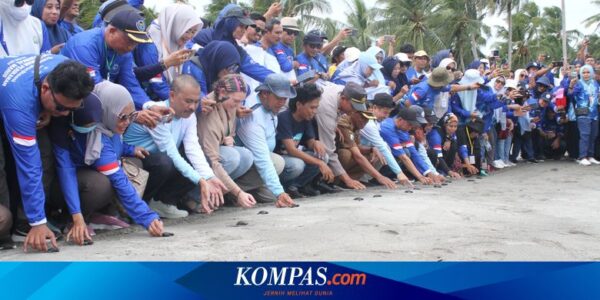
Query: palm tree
{"points": [[410, 21], [304, 9], [595, 19], [360, 18], [502, 6]]}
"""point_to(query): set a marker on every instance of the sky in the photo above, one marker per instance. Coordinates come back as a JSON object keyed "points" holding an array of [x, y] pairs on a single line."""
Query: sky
{"points": [[576, 12]]}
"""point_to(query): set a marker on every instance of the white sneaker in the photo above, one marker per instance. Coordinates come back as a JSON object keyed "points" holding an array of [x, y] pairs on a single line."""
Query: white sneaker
{"points": [[167, 211], [510, 163], [498, 164], [584, 162], [594, 161]]}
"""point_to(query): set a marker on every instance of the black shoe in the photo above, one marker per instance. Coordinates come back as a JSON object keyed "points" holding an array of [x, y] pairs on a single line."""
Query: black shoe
{"points": [[22, 229], [294, 193], [325, 188], [309, 191], [533, 161]]}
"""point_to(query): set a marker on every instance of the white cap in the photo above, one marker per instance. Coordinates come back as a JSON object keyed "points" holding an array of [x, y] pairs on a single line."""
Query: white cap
{"points": [[402, 57], [351, 54], [511, 84]]}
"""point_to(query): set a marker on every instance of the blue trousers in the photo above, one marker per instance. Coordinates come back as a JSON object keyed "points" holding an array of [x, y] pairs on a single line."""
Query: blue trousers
{"points": [[235, 160], [588, 131], [296, 172]]}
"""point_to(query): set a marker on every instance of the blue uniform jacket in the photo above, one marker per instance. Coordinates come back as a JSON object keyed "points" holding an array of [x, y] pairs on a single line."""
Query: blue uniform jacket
{"points": [[104, 63], [147, 55], [422, 94], [401, 144], [305, 64], [19, 109], [285, 56]]}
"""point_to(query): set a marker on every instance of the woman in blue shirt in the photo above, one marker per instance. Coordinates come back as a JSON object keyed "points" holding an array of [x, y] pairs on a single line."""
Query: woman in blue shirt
{"points": [[585, 93], [88, 151]]}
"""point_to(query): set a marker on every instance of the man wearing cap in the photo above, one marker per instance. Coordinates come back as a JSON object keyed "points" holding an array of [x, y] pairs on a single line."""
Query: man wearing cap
{"points": [[337, 100], [312, 58], [395, 131], [371, 140], [427, 92], [537, 112], [59, 89], [258, 131], [284, 51], [551, 133], [417, 72], [349, 153], [106, 52]]}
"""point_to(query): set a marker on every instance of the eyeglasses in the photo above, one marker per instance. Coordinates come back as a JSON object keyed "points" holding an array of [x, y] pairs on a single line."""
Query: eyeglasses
{"points": [[130, 117], [406, 64], [62, 108], [19, 3], [449, 68], [291, 32], [233, 69], [315, 46]]}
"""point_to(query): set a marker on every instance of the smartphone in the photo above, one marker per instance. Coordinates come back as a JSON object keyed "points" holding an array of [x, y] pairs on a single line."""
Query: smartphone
{"points": [[496, 53], [166, 118], [557, 63], [421, 77], [388, 38], [354, 32], [190, 53], [573, 75]]}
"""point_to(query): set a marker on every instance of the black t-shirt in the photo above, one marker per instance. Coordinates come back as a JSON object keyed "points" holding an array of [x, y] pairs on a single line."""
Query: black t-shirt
{"points": [[289, 128]]}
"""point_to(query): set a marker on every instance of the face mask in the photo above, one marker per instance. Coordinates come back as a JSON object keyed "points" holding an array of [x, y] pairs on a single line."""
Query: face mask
{"points": [[20, 13], [83, 130]]}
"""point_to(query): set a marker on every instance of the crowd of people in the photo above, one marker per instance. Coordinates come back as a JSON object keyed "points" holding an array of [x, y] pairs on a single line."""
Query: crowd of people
{"points": [[129, 123]]}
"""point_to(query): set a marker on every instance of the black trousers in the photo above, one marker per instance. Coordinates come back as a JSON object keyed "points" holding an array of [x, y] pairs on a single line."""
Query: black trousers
{"points": [[572, 139], [165, 183]]}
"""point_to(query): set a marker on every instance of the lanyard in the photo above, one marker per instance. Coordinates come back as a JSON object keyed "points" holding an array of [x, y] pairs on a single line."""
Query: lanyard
{"points": [[108, 64], [470, 142]]}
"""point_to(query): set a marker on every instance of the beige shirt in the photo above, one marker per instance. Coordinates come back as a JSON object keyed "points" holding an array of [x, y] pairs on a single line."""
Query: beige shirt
{"points": [[327, 117], [212, 130]]}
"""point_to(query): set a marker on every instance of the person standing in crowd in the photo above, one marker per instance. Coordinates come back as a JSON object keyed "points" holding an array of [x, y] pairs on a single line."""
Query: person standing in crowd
{"points": [[585, 93], [257, 132], [69, 12], [22, 32], [217, 131], [394, 72], [89, 147], [231, 27], [426, 93], [381, 106], [31, 86], [418, 71], [107, 54], [312, 58], [395, 131], [305, 157], [284, 50], [212, 63], [176, 25], [48, 12], [442, 103], [505, 125], [173, 173], [338, 55], [254, 32]]}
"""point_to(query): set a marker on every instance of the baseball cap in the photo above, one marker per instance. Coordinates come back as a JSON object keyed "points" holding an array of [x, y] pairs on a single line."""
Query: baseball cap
{"points": [[240, 15], [290, 23], [357, 96], [409, 115], [532, 64], [312, 39], [430, 116], [279, 85], [420, 113], [383, 100], [421, 53], [132, 22], [402, 57], [109, 8], [547, 97]]}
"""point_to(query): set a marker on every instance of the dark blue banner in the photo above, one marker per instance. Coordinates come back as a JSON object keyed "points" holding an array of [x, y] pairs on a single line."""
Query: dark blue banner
{"points": [[277, 280]]}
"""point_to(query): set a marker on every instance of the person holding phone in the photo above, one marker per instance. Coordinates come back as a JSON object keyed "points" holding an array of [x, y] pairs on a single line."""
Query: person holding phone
{"points": [[176, 25], [417, 72], [585, 93]]}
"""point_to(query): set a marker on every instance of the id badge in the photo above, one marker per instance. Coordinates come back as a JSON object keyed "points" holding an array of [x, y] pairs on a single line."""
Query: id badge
{"points": [[472, 159]]}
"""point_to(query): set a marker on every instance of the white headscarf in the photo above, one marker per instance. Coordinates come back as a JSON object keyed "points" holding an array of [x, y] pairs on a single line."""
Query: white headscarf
{"points": [[22, 32], [114, 99], [172, 22], [468, 98], [441, 102]]}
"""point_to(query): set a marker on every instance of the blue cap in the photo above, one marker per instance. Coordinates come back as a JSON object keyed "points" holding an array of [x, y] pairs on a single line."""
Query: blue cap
{"points": [[545, 81], [532, 64], [132, 22], [279, 85]]}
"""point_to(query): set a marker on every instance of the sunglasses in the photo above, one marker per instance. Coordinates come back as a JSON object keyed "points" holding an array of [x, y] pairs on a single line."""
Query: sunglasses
{"points": [[502, 82], [522, 75], [449, 68], [290, 32], [62, 108], [130, 117], [19, 3], [258, 29], [315, 46]]}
